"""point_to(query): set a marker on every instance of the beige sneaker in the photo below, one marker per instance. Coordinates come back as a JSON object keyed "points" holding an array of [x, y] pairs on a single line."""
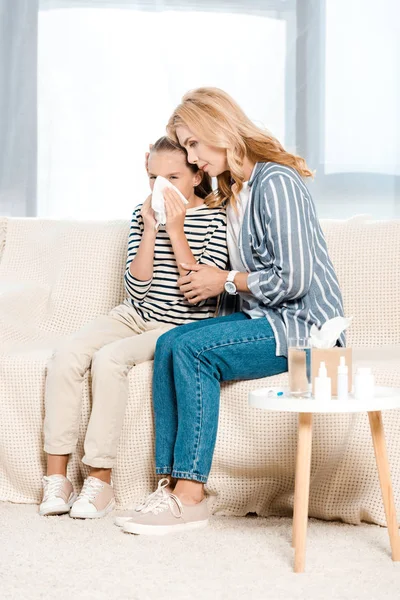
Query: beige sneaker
{"points": [[58, 495], [125, 515], [95, 500], [166, 514]]}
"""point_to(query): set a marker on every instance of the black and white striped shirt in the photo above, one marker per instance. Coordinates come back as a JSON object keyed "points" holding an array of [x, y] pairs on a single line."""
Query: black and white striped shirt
{"points": [[159, 298]]}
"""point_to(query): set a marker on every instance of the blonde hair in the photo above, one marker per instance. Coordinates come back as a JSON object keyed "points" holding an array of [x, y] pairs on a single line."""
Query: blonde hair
{"points": [[220, 122]]}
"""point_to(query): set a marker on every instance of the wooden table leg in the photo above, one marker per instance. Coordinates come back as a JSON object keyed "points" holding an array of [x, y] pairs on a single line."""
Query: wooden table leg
{"points": [[302, 490], [295, 499], [378, 438]]}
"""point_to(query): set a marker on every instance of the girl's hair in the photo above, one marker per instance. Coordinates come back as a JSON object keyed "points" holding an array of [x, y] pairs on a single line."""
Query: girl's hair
{"points": [[219, 121], [164, 144]]}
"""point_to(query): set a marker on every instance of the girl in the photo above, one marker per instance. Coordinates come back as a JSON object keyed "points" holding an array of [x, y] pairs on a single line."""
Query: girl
{"points": [[285, 282], [193, 233]]}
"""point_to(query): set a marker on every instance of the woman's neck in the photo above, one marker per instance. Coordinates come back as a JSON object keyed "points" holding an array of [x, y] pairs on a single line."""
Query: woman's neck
{"points": [[248, 166]]}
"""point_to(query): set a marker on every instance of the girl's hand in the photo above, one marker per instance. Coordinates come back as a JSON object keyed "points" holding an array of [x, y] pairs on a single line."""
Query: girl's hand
{"points": [[202, 282], [148, 216], [175, 212]]}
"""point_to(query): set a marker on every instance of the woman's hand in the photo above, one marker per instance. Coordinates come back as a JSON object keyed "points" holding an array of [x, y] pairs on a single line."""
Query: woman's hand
{"points": [[202, 283], [148, 216], [175, 212]]}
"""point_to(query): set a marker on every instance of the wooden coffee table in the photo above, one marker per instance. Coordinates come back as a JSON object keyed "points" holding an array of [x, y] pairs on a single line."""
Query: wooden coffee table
{"points": [[386, 398]]}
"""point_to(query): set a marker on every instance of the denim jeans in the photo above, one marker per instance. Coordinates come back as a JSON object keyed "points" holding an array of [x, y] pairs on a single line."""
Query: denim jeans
{"points": [[189, 364]]}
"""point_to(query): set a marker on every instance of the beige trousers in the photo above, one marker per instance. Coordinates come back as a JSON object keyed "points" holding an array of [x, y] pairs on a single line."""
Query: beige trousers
{"points": [[111, 345]]}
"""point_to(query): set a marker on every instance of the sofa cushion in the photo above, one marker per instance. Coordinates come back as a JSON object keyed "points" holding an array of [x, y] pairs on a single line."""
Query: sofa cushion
{"points": [[366, 256]]}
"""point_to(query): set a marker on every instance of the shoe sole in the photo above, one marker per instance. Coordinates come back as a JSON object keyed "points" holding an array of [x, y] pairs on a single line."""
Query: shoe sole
{"points": [[97, 515], [120, 521], [61, 509], [138, 529]]}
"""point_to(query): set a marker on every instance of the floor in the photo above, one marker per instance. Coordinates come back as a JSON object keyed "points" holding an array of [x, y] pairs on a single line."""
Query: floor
{"points": [[234, 558]]}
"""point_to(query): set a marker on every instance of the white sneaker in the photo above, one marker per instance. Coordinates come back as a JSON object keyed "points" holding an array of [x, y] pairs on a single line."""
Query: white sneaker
{"points": [[96, 500], [124, 516], [167, 514], [58, 495]]}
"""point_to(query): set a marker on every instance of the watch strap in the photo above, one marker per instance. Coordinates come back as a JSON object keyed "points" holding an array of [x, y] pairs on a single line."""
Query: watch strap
{"points": [[232, 275]]}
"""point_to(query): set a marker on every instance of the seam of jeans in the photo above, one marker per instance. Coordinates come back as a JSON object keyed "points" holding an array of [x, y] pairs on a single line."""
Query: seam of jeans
{"points": [[198, 437], [200, 414], [247, 341], [189, 475], [162, 470]]}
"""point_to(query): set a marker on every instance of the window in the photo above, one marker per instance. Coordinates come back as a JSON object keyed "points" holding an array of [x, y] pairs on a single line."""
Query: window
{"points": [[110, 78]]}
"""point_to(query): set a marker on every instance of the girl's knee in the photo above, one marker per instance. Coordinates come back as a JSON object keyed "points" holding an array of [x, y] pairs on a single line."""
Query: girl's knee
{"points": [[66, 359], [105, 360]]}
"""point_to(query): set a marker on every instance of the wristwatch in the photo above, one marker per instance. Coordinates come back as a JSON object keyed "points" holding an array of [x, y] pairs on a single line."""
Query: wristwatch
{"points": [[230, 286]]}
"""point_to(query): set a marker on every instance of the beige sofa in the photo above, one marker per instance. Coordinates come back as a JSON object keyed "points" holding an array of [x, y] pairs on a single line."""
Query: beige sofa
{"points": [[57, 275]]}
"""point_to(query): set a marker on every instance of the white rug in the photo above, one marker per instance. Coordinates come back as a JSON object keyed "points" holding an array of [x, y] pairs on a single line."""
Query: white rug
{"points": [[235, 558]]}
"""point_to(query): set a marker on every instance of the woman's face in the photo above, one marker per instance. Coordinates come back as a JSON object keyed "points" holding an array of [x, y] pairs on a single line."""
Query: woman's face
{"points": [[209, 158], [172, 166]]}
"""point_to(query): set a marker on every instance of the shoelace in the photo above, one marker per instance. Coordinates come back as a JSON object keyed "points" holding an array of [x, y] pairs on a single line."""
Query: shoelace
{"points": [[153, 497], [52, 485], [91, 488], [165, 501]]}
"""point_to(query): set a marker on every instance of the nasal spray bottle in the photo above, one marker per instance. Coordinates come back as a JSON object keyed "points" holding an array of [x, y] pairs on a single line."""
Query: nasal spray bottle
{"points": [[342, 380], [323, 386]]}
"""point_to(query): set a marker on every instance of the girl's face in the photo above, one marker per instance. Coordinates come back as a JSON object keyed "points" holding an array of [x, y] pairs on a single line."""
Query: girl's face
{"points": [[172, 166], [209, 158]]}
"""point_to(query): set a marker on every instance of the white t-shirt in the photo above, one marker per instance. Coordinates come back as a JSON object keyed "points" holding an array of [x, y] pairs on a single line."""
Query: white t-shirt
{"points": [[249, 303]]}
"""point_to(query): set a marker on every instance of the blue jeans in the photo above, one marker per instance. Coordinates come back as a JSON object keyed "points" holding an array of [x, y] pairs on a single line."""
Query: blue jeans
{"points": [[190, 363]]}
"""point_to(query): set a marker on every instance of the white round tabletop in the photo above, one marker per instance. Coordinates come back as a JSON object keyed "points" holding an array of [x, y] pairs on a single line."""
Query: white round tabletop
{"points": [[385, 398]]}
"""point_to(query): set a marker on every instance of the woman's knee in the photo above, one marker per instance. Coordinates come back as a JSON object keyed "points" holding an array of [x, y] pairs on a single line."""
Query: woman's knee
{"points": [[190, 344], [167, 340]]}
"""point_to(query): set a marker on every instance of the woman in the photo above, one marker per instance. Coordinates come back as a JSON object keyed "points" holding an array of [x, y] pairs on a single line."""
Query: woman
{"points": [[282, 273]]}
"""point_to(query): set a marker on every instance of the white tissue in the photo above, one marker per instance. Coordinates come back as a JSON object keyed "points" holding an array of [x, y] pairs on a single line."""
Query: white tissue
{"points": [[327, 336], [157, 199]]}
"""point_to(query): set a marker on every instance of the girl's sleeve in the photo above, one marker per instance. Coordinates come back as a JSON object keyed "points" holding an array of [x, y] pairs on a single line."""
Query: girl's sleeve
{"points": [[215, 253], [288, 218], [135, 288]]}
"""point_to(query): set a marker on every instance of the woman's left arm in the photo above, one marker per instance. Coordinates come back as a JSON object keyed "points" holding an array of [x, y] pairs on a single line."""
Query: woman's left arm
{"points": [[288, 237], [288, 240]]}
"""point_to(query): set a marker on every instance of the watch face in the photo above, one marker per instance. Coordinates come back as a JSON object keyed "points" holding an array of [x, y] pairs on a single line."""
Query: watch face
{"points": [[230, 287]]}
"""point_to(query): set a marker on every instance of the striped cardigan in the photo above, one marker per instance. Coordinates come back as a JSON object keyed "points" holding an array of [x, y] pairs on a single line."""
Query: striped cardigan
{"points": [[283, 248]]}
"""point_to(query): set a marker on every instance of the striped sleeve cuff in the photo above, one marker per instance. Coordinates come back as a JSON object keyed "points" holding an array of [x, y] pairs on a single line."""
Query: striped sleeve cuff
{"points": [[253, 283], [136, 288]]}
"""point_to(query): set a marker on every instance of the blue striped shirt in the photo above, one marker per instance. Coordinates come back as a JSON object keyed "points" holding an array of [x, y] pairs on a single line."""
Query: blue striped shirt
{"points": [[284, 251]]}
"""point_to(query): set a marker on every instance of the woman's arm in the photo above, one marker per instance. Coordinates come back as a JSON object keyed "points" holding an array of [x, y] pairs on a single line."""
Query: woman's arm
{"points": [[289, 241], [289, 238]]}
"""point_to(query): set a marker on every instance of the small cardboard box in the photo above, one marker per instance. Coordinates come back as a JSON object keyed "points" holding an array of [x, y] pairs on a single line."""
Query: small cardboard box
{"points": [[331, 358]]}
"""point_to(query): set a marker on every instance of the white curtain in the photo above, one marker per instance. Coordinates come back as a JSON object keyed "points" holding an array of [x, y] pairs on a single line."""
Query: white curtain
{"points": [[18, 123], [322, 75]]}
